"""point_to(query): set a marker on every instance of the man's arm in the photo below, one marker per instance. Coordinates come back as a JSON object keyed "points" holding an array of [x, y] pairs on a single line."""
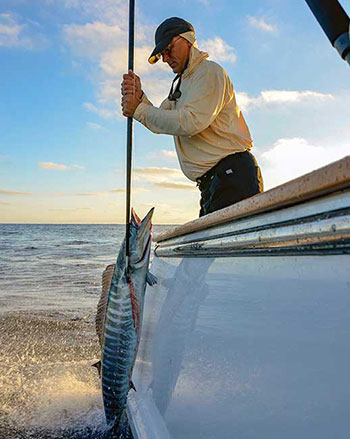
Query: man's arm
{"points": [[165, 105], [203, 102]]}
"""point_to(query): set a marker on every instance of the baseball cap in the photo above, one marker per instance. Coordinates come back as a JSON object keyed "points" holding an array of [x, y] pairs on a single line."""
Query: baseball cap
{"points": [[165, 32]]}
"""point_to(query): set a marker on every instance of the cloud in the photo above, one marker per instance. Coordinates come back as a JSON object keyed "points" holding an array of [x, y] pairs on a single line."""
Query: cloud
{"points": [[111, 192], [69, 209], [218, 50], [5, 159], [158, 171], [156, 174], [292, 157], [92, 194], [10, 31], [14, 34], [135, 190], [59, 194], [81, 194], [109, 11], [261, 24], [117, 191], [164, 178], [94, 126], [169, 153], [114, 62], [157, 89], [13, 193], [90, 39], [101, 111], [278, 97], [176, 185], [60, 167], [272, 96]]}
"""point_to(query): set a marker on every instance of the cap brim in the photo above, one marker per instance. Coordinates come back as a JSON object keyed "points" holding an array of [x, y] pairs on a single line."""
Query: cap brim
{"points": [[154, 58], [156, 54]]}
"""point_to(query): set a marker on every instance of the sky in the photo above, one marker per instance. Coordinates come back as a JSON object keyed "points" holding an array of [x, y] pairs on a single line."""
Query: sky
{"points": [[63, 137]]}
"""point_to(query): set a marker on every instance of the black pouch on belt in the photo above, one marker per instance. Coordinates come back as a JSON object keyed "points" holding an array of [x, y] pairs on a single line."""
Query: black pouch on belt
{"points": [[232, 179]]}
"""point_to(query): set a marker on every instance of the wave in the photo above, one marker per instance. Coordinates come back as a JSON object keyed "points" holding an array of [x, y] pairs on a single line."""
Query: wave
{"points": [[76, 242]]}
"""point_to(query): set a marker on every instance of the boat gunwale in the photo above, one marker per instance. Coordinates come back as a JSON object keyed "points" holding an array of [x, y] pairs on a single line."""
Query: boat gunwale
{"points": [[328, 179]]}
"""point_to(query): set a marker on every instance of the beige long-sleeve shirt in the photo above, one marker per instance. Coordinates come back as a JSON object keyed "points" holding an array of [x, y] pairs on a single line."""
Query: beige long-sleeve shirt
{"points": [[206, 122]]}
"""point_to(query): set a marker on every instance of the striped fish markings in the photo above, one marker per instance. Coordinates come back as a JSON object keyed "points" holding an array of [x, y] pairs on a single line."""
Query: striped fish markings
{"points": [[123, 318]]}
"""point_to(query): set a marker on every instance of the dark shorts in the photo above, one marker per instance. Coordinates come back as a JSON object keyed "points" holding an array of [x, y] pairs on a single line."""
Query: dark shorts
{"points": [[232, 179]]}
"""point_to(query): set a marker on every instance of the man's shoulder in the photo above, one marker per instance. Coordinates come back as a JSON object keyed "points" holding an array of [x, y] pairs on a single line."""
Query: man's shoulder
{"points": [[211, 67]]}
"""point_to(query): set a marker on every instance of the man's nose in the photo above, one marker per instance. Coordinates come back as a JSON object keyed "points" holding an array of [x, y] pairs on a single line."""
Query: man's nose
{"points": [[165, 57]]}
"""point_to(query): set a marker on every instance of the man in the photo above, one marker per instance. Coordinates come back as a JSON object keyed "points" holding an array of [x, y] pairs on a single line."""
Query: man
{"points": [[211, 137]]}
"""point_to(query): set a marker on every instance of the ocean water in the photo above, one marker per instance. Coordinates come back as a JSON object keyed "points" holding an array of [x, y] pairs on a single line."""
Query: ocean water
{"points": [[50, 281]]}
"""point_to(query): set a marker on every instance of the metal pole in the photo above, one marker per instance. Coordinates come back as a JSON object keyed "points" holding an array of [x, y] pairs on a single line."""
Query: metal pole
{"points": [[129, 136]]}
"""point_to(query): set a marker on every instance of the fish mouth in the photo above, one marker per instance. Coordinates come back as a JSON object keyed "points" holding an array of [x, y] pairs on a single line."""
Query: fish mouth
{"points": [[141, 224], [144, 226], [147, 219], [143, 233]]}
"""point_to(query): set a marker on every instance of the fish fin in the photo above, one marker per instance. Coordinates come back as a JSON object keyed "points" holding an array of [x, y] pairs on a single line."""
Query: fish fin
{"points": [[151, 279], [102, 303], [132, 386], [98, 366]]}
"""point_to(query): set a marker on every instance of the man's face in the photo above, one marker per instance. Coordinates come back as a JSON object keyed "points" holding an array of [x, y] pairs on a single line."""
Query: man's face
{"points": [[176, 54]]}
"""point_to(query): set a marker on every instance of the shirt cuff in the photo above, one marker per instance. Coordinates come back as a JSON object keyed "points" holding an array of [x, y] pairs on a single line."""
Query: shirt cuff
{"points": [[140, 113]]}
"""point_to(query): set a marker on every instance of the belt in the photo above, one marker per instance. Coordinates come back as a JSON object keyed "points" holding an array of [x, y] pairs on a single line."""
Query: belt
{"points": [[205, 179]]}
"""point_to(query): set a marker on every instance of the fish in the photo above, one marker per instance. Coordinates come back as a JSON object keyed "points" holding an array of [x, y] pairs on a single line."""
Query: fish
{"points": [[119, 318]]}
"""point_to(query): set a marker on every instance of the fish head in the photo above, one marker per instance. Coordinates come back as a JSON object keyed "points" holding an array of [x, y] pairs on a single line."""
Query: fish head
{"points": [[140, 239]]}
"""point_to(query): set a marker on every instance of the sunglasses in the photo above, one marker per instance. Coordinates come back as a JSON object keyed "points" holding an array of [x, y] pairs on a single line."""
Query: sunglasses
{"points": [[169, 48]]}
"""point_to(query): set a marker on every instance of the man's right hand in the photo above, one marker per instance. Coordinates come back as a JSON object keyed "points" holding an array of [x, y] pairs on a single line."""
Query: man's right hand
{"points": [[131, 85]]}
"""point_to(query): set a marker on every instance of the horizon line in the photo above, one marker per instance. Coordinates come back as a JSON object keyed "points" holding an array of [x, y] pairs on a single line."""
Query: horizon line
{"points": [[80, 224]]}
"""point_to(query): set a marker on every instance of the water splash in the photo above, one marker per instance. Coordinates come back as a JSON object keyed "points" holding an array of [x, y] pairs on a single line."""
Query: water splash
{"points": [[48, 387]]}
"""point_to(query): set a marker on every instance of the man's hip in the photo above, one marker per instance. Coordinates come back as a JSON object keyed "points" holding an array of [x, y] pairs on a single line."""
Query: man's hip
{"points": [[232, 179]]}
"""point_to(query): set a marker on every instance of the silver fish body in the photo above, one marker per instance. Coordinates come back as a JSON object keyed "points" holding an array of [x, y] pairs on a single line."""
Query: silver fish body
{"points": [[123, 317]]}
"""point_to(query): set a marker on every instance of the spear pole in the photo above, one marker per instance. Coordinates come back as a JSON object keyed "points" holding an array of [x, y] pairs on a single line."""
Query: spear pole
{"points": [[129, 135]]}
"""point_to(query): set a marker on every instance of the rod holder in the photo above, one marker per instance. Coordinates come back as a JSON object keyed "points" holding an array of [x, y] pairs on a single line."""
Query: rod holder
{"points": [[335, 24]]}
